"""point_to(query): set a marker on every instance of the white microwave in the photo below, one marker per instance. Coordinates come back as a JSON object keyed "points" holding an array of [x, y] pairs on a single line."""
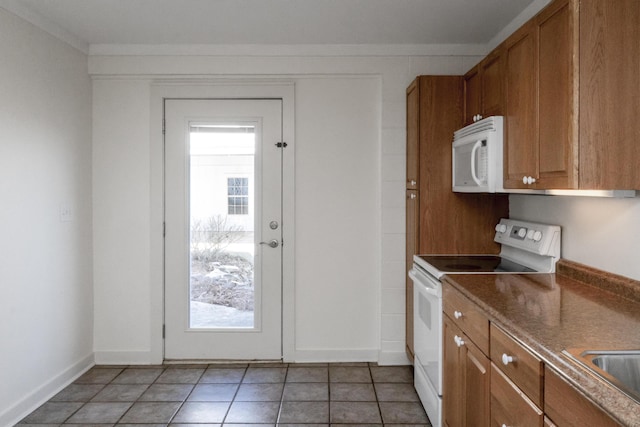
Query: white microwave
{"points": [[477, 157]]}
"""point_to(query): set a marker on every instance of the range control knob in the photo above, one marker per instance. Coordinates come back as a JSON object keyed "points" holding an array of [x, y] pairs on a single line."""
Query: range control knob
{"points": [[522, 232], [530, 234], [537, 236], [501, 228]]}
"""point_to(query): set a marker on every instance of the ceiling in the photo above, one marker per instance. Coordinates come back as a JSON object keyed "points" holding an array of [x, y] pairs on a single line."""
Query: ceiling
{"points": [[276, 22]]}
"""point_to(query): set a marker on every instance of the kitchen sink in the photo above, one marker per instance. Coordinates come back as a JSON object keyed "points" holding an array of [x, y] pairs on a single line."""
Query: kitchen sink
{"points": [[621, 368]]}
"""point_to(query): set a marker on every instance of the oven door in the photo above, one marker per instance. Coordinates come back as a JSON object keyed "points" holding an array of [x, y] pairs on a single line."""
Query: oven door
{"points": [[427, 323]]}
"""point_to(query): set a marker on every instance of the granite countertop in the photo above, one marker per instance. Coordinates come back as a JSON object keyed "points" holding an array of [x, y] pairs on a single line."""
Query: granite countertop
{"points": [[576, 308]]}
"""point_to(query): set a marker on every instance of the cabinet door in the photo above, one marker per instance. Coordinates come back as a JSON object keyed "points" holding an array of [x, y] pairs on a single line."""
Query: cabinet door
{"points": [[492, 77], [452, 376], [472, 95], [476, 386], [509, 405], [413, 208], [521, 148], [409, 349], [566, 406], [465, 393], [526, 370], [413, 134], [609, 94], [557, 96]]}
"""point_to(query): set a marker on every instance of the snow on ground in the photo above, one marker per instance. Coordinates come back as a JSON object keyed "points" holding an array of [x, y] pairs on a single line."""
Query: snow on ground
{"points": [[205, 315]]}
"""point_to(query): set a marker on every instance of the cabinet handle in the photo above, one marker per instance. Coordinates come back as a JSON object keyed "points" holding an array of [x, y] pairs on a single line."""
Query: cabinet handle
{"points": [[506, 359], [412, 196], [528, 180], [458, 340], [504, 425], [457, 314], [413, 182]]}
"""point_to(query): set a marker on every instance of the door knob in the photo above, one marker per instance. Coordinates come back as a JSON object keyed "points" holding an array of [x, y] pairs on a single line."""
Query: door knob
{"points": [[271, 243]]}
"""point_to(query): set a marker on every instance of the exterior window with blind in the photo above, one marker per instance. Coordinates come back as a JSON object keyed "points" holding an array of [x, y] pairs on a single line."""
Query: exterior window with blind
{"points": [[238, 196]]}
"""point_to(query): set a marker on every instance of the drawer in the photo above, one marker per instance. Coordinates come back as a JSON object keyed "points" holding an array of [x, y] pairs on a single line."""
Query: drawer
{"points": [[467, 316], [509, 405], [566, 406], [523, 368]]}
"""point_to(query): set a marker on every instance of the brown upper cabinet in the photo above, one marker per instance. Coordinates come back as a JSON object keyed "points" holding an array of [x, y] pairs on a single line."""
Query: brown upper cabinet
{"points": [[540, 132], [569, 96], [609, 94], [483, 88]]}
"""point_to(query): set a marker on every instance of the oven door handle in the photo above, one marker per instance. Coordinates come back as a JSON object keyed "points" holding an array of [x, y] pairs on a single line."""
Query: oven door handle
{"points": [[422, 280]]}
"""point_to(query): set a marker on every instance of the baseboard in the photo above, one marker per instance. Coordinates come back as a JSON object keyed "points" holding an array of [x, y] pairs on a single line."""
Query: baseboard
{"points": [[33, 400], [334, 356], [123, 358], [393, 358]]}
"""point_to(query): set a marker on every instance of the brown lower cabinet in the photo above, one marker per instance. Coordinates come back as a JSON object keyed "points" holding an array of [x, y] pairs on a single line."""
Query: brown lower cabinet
{"points": [[482, 390], [466, 380], [509, 405], [565, 406]]}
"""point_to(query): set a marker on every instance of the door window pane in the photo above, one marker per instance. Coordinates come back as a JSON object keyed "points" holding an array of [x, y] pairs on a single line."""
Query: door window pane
{"points": [[221, 281]]}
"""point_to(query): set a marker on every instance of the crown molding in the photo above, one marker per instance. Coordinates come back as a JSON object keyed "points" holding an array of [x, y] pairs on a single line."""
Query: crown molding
{"points": [[287, 50]]}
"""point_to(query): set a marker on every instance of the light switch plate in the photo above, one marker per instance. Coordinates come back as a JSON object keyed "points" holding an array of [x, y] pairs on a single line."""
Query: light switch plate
{"points": [[66, 213]]}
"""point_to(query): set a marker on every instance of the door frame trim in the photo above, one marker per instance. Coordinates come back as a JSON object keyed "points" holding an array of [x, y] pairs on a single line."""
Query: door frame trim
{"points": [[220, 89]]}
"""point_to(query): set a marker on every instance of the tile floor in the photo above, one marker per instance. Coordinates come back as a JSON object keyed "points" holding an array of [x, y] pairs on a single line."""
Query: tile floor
{"points": [[236, 395]]}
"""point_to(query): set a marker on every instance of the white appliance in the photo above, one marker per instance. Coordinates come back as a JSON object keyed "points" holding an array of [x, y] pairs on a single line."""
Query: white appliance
{"points": [[526, 247], [477, 157]]}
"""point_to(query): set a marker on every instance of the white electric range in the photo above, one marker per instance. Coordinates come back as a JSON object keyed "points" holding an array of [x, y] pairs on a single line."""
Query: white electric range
{"points": [[526, 248]]}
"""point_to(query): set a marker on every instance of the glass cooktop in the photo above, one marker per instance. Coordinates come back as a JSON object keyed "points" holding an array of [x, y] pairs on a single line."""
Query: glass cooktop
{"points": [[448, 264]]}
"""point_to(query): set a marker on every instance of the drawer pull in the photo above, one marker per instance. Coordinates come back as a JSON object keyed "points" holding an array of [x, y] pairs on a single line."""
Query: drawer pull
{"points": [[504, 425], [506, 360], [459, 341], [457, 314]]}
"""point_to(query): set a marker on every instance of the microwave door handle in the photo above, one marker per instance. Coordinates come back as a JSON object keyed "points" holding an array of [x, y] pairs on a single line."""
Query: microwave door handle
{"points": [[474, 150]]}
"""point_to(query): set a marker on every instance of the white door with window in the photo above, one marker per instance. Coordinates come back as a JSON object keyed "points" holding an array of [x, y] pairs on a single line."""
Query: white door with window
{"points": [[223, 229]]}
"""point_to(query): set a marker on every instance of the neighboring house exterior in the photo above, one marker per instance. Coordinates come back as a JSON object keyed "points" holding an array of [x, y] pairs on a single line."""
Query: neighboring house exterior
{"points": [[222, 179]]}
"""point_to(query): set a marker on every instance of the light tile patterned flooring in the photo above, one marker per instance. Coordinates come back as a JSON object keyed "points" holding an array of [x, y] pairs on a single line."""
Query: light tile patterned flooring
{"points": [[237, 395]]}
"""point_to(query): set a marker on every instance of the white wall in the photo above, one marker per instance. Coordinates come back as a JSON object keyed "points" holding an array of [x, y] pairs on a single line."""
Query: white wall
{"points": [[350, 150], [46, 307], [600, 232], [337, 218], [121, 220]]}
